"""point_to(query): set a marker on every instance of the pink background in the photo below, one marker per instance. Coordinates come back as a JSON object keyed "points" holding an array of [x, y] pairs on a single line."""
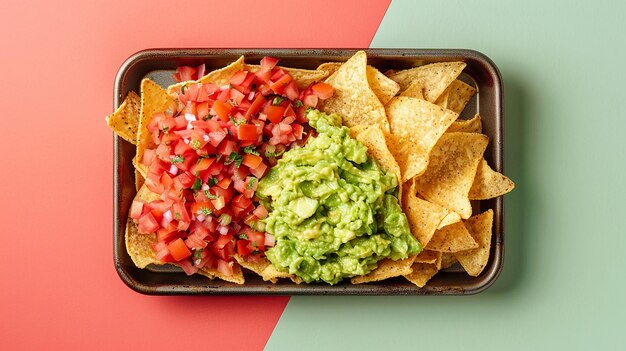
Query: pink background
{"points": [[59, 287]]}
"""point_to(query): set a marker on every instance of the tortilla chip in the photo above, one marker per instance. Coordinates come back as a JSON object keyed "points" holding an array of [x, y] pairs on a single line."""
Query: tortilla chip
{"points": [[139, 246], [452, 238], [480, 227], [489, 183], [374, 139], [384, 88], [125, 120], [302, 77], [329, 67], [139, 180], [154, 99], [448, 260], [428, 256], [211, 273], [450, 218], [423, 216], [429, 81], [451, 171], [422, 272], [353, 99], [473, 125], [416, 125], [456, 96], [271, 273], [356, 130], [261, 268], [387, 268]]}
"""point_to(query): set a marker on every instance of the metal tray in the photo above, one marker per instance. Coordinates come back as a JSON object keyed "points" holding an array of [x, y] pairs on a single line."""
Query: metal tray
{"points": [[159, 64]]}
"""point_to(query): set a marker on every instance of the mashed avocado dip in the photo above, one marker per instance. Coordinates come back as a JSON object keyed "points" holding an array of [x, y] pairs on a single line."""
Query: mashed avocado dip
{"points": [[333, 211]]}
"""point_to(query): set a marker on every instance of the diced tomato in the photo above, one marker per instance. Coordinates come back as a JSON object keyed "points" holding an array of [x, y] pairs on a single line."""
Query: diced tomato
{"points": [[241, 201], [291, 91], [184, 73], [279, 86], [147, 224], [247, 132], [260, 211], [178, 249], [257, 239], [252, 161], [222, 110], [242, 247], [267, 63], [323, 90], [310, 100], [224, 183], [259, 171], [202, 164], [274, 113], [136, 209]]}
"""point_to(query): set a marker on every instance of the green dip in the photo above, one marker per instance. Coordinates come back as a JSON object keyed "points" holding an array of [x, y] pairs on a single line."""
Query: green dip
{"points": [[333, 211]]}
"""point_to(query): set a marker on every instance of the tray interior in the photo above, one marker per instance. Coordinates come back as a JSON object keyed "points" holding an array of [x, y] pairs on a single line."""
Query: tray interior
{"points": [[159, 65]]}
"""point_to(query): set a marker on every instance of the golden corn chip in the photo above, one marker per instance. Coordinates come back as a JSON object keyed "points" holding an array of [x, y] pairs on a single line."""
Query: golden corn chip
{"points": [[264, 268], [374, 139], [489, 183], [451, 171], [387, 268], [422, 272], [423, 216], [154, 99], [450, 218], [480, 227], [417, 126], [139, 180], [428, 256], [139, 246], [356, 130], [473, 125], [329, 67], [448, 260], [302, 77], [456, 96], [429, 81], [125, 120], [271, 273], [452, 238], [384, 87], [353, 99], [237, 276]]}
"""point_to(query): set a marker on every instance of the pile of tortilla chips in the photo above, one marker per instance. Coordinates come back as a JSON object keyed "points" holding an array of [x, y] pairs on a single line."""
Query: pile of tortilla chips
{"points": [[409, 122]]}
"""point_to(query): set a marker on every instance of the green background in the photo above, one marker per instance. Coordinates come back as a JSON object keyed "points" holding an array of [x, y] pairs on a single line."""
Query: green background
{"points": [[563, 281]]}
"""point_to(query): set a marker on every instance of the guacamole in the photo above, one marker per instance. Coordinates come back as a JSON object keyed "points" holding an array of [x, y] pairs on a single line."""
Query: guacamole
{"points": [[333, 210]]}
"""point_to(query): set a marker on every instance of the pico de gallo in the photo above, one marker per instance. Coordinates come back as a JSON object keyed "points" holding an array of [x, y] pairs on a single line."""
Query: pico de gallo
{"points": [[211, 150]]}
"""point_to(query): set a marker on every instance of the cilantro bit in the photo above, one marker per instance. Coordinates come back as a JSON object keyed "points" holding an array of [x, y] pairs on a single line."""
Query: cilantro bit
{"points": [[225, 219], [198, 254], [250, 150], [209, 195], [197, 184], [182, 89], [251, 183], [278, 100], [195, 144], [205, 211], [234, 157], [165, 129], [177, 215], [177, 159], [255, 252], [243, 236], [237, 122], [212, 181], [297, 103]]}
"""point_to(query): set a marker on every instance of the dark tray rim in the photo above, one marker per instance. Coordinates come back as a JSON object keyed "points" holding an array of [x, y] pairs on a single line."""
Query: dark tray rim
{"points": [[487, 278]]}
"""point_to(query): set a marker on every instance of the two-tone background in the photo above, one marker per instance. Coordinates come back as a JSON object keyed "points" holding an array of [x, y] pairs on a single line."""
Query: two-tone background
{"points": [[563, 283]]}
